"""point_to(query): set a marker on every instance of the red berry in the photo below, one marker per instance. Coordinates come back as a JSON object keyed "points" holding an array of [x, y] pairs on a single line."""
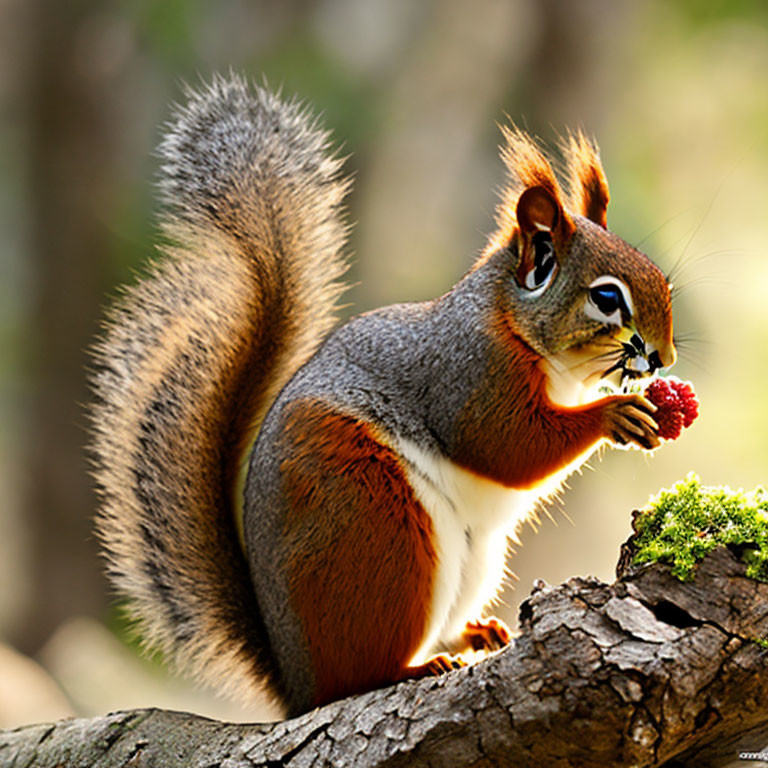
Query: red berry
{"points": [[661, 394], [688, 401], [670, 423], [677, 405]]}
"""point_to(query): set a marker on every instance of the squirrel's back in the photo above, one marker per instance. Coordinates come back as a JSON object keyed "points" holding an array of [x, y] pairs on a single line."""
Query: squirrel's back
{"points": [[193, 355]]}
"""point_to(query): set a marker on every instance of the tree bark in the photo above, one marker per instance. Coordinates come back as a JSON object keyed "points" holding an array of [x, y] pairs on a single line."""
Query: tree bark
{"points": [[648, 671]]}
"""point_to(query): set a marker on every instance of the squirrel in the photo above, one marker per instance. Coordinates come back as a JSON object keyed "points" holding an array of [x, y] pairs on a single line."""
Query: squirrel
{"points": [[323, 513]]}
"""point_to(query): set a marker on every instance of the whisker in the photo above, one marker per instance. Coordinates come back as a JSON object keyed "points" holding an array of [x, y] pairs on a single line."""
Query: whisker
{"points": [[618, 366], [691, 347], [690, 337], [681, 267], [661, 226], [698, 227], [616, 349], [695, 360], [596, 358], [680, 289]]}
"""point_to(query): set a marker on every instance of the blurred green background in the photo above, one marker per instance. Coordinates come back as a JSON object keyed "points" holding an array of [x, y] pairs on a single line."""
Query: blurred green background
{"points": [[676, 94]]}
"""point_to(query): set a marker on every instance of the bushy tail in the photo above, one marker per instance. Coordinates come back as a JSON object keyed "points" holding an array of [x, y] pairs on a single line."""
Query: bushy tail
{"points": [[193, 355]]}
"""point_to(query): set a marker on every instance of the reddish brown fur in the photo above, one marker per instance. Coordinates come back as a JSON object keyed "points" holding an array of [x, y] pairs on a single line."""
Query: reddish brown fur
{"points": [[528, 166], [489, 634], [510, 431], [650, 291], [436, 665], [536, 207], [360, 562], [588, 185]]}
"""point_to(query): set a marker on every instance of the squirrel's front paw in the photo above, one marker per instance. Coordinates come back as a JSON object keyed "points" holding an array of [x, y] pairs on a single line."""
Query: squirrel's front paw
{"points": [[628, 419], [489, 634]]}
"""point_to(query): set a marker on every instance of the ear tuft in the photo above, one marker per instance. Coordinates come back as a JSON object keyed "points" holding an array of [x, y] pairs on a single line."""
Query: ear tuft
{"points": [[526, 164], [588, 185], [527, 167]]}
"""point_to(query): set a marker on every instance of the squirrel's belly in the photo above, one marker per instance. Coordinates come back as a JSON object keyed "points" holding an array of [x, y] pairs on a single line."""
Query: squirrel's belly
{"points": [[473, 519]]}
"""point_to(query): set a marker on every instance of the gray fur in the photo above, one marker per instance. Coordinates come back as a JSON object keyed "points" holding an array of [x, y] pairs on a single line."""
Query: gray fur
{"points": [[228, 323], [194, 354], [410, 369], [407, 368]]}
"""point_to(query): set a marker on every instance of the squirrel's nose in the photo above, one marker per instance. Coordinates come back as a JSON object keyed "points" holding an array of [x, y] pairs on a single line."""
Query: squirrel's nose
{"points": [[667, 356], [663, 358]]}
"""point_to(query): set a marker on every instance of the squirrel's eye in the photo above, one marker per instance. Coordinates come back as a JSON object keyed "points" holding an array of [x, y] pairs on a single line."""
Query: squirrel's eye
{"points": [[607, 298], [609, 301], [543, 261]]}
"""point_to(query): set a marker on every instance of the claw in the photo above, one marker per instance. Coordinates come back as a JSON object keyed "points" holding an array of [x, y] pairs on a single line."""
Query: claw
{"points": [[629, 420], [489, 634]]}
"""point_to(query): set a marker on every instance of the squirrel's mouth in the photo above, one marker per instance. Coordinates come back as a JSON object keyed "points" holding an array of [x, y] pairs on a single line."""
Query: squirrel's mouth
{"points": [[636, 360]]}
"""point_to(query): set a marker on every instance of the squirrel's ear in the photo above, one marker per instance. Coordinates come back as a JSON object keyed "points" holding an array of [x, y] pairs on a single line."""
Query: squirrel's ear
{"points": [[537, 211], [543, 226]]}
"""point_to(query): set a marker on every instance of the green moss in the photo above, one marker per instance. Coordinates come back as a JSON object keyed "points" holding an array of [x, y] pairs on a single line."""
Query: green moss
{"points": [[680, 525]]}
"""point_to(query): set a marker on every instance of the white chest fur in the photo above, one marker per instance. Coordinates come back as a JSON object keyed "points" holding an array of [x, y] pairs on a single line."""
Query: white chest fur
{"points": [[473, 519]]}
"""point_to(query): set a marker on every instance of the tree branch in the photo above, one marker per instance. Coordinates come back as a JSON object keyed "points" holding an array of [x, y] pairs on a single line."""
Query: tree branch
{"points": [[648, 671]]}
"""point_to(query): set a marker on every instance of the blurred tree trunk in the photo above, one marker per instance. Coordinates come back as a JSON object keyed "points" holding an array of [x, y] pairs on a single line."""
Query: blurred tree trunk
{"points": [[432, 177], [418, 200], [573, 67], [69, 154]]}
